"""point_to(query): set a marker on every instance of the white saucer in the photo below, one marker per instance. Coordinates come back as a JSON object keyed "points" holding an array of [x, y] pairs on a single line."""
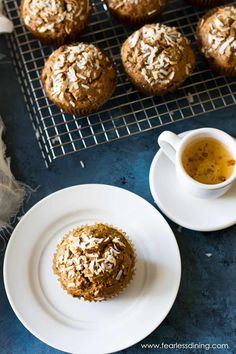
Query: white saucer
{"points": [[74, 325], [184, 209]]}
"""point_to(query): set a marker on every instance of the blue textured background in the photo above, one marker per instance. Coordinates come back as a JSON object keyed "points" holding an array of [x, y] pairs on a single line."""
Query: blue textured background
{"points": [[205, 308]]}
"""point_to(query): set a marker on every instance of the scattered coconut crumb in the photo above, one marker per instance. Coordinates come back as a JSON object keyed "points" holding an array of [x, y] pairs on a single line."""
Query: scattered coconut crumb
{"points": [[208, 254], [190, 98], [55, 139], [104, 6], [179, 229], [37, 134], [82, 164]]}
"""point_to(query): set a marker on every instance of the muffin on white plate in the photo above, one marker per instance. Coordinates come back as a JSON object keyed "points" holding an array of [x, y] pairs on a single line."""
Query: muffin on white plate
{"points": [[94, 262]]}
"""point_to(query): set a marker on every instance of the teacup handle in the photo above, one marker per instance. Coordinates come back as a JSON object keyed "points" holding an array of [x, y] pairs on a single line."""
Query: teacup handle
{"points": [[169, 143]]}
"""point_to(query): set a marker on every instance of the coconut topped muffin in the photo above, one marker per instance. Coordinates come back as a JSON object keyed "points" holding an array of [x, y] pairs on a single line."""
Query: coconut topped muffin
{"points": [[135, 11], [95, 262], [55, 21], [217, 38], [79, 78], [157, 58]]}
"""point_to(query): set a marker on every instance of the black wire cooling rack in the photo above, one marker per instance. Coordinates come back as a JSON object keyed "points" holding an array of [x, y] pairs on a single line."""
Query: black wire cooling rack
{"points": [[128, 112]]}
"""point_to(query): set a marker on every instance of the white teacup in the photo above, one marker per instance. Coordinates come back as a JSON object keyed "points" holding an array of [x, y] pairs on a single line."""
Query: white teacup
{"points": [[173, 146]]}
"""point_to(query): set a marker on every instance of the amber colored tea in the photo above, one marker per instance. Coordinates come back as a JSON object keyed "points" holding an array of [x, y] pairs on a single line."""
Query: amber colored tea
{"points": [[207, 160]]}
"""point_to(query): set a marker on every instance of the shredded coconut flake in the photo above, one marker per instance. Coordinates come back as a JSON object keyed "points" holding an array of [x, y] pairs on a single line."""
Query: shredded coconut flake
{"points": [[55, 140], [225, 45], [119, 274], [190, 98]]}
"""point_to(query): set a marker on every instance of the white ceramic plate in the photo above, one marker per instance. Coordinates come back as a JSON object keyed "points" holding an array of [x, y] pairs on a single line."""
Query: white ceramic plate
{"points": [[184, 209], [74, 325]]}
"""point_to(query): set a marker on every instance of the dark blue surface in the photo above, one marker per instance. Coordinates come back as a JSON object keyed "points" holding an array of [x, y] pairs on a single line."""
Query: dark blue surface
{"points": [[205, 308]]}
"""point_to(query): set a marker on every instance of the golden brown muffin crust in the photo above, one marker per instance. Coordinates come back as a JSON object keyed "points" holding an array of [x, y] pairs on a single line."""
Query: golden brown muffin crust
{"points": [[135, 10], [157, 58], [55, 20], [94, 262], [217, 36], [79, 78]]}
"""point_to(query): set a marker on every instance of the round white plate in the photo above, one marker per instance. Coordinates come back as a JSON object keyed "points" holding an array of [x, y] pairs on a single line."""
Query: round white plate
{"points": [[184, 209], [74, 325]]}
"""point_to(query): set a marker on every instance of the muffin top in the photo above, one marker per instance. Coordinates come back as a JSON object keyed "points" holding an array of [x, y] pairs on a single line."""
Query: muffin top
{"points": [[158, 55], [78, 75], [136, 8], [217, 35], [94, 262], [56, 18]]}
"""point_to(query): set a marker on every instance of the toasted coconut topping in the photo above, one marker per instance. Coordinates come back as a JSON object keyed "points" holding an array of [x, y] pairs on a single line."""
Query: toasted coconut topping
{"points": [[47, 16], [156, 49], [81, 255], [222, 31], [76, 71], [94, 262], [149, 4]]}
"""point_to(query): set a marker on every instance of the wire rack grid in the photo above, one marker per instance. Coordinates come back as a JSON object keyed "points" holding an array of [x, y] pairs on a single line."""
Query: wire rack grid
{"points": [[128, 112]]}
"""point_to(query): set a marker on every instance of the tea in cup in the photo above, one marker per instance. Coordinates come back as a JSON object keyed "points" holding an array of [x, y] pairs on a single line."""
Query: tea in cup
{"points": [[205, 160]]}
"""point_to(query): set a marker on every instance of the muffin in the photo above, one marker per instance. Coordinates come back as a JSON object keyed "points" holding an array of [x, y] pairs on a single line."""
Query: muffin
{"points": [[95, 262], [79, 78], [55, 21], [205, 3], [157, 58], [216, 34], [135, 11]]}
